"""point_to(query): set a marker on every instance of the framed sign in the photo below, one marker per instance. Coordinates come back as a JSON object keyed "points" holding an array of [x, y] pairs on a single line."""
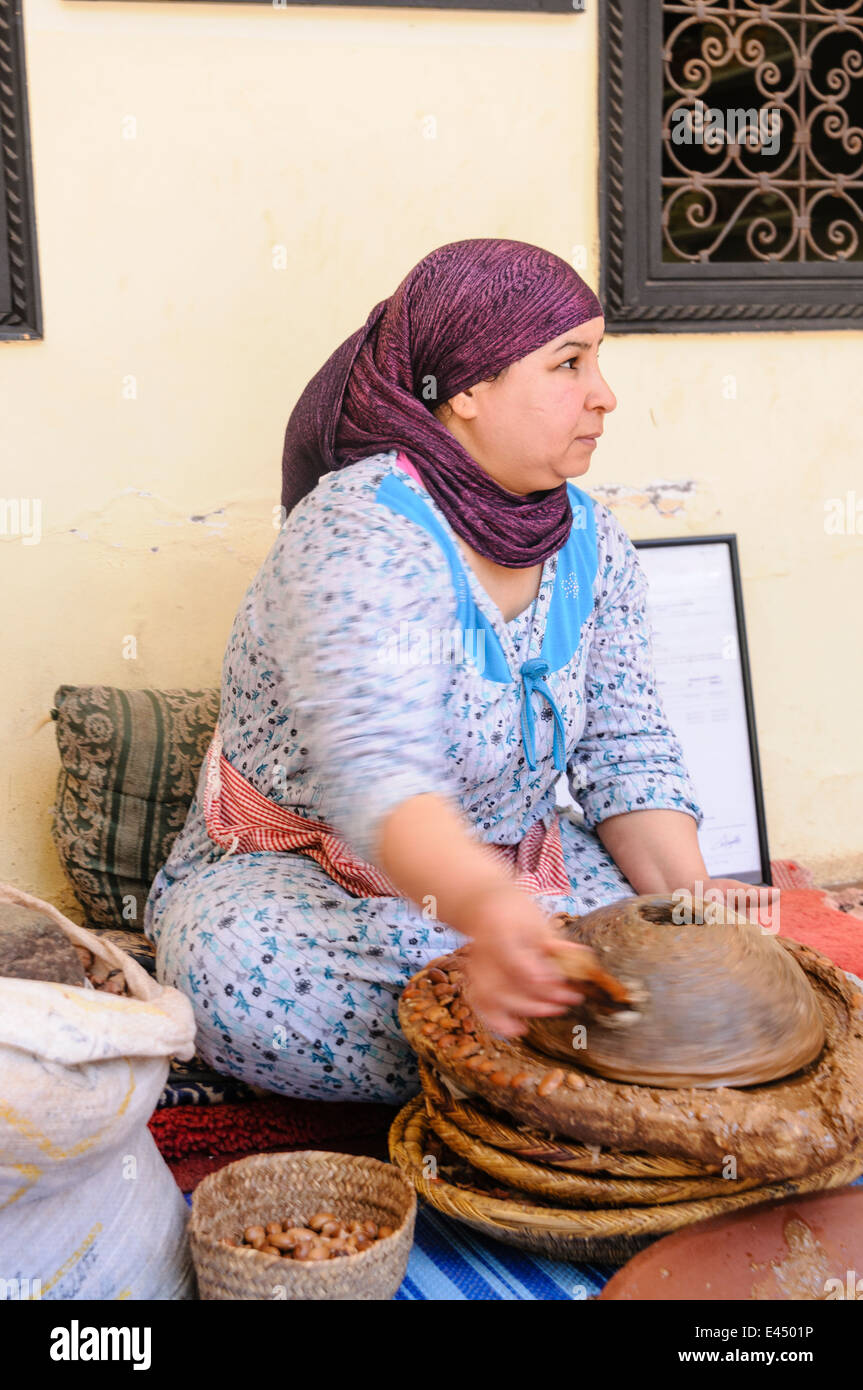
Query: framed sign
{"points": [[695, 607]]}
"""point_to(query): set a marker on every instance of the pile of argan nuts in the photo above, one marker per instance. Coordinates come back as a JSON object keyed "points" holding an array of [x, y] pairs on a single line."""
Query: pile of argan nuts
{"points": [[324, 1237], [447, 1025]]}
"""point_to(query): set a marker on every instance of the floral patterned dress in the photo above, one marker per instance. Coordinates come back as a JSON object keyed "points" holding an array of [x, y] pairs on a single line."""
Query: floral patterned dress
{"points": [[367, 664]]}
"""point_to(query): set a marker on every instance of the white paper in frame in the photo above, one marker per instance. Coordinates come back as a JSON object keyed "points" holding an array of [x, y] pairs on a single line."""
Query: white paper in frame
{"points": [[695, 608]]}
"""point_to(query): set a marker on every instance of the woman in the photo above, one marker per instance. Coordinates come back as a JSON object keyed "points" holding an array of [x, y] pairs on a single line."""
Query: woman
{"points": [[444, 624]]}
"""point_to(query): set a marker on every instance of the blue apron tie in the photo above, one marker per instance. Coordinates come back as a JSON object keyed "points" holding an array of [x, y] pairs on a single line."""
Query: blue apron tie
{"points": [[532, 673]]}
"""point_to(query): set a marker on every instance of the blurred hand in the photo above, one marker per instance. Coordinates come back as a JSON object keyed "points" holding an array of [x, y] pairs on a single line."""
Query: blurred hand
{"points": [[509, 975], [762, 899]]}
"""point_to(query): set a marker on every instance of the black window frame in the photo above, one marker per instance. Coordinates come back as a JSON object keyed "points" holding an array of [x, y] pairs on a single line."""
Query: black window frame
{"points": [[640, 292], [21, 306]]}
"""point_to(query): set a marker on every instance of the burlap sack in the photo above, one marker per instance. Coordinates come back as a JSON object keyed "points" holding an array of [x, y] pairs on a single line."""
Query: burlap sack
{"points": [[88, 1206]]}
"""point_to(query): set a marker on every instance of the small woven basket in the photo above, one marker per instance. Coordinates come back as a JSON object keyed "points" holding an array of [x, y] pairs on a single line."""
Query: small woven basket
{"points": [[293, 1186]]}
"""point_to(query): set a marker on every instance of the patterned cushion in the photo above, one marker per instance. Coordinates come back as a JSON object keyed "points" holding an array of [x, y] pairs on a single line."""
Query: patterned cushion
{"points": [[129, 767]]}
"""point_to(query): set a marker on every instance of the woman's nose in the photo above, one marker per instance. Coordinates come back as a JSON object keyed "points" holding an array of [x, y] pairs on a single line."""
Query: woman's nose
{"points": [[602, 398]]}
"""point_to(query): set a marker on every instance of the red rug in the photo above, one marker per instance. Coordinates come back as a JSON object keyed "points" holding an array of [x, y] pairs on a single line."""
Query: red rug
{"points": [[190, 1137], [189, 1171], [197, 1139], [830, 920]]}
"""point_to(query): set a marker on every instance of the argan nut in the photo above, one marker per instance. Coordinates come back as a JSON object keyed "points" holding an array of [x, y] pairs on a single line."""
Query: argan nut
{"points": [[320, 1219], [268, 1250], [436, 976], [255, 1235], [499, 1078], [370, 1228], [284, 1241], [550, 1082], [273, 1228], [362, 1241], [520, 1078], [384, 1231], [574, 1081]]}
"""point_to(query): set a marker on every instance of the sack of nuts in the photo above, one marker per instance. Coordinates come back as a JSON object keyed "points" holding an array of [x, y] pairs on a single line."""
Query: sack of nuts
{"points": [[88, 1206]]}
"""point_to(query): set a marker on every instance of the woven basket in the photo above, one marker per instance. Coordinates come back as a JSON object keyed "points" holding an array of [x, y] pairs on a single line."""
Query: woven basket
{"points": [[608, 1236], [535, 1147], [576, 1189], [293, 1186]]}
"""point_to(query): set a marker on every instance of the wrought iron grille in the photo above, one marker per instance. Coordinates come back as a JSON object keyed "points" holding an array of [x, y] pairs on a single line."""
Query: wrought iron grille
{"points": [[762, 145], [731, 164]]}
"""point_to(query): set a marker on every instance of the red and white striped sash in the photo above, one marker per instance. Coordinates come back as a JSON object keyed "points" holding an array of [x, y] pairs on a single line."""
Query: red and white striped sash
{"points": [[242, 820]]}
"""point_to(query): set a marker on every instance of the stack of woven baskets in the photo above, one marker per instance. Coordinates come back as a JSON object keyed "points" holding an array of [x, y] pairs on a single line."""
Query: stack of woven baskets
{"points": [[554, 1158]]}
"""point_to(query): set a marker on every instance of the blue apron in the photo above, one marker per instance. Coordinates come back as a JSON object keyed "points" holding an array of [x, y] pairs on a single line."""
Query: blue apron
{"points": [[571, 603]]}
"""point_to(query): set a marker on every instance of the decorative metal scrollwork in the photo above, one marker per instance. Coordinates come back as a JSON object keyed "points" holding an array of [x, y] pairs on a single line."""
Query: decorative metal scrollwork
{"points": [[762, 145]]}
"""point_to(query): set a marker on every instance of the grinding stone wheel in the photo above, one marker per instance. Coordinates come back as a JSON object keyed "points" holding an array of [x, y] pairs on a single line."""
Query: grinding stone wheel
{"points": [[718, 1002], [784, 1129]]}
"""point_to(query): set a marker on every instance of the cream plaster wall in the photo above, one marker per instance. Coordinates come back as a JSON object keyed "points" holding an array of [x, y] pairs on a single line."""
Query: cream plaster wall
{"points": [[176, 147]]}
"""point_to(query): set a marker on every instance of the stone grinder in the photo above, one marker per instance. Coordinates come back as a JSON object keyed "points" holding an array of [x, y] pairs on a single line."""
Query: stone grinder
{"points": [[710, 1002], [702, 1041]]}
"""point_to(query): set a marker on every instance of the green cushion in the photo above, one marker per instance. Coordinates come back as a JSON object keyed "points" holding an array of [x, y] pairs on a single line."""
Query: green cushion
{"points": [[130, 761]]}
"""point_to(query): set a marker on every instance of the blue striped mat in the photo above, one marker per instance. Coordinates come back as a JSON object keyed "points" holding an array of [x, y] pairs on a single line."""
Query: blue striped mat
{"points": [[450, 1262], [453, 1262]]}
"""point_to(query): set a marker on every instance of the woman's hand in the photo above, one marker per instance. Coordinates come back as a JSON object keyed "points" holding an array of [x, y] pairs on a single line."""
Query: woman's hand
{"points": [[508, 973], [756, 901]]}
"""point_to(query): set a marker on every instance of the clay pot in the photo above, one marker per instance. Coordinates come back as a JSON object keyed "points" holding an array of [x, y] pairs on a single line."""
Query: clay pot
{"points": [[801, 1248], [714, 1002]]}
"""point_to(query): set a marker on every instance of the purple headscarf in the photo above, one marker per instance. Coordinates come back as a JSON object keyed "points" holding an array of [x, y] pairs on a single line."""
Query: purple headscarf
{"points": [[463, 313]]}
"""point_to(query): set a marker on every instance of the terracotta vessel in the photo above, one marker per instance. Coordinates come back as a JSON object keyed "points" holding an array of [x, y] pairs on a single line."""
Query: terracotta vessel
{"points": [[715, 1001], [802, 1248]]}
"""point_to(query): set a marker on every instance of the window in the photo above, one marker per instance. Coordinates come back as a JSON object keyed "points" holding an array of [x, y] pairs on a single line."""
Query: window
{"points": [[731, 175]]}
